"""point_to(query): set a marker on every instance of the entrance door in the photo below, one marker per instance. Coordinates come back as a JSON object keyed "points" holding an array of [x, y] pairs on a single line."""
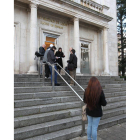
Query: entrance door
{"points": [[85, 59], [50, 39]]}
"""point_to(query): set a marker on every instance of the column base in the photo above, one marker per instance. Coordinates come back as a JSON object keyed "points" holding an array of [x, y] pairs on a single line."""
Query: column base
{"points": [[105, 74], [33, 73], [78, 71], [33, 70], [96, 73]]}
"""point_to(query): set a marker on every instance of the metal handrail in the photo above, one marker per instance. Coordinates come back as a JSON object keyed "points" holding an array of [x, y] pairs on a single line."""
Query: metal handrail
{"points": [[69, 76], [53, 69], [66, 82]]}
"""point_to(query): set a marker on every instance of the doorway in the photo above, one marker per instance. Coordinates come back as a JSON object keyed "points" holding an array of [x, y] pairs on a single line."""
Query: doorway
{"points": [[50, 39], [85, 68]]}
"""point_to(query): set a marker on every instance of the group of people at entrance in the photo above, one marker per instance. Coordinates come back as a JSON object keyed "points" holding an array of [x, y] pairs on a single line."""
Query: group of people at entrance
{"points": [[50, 56]]}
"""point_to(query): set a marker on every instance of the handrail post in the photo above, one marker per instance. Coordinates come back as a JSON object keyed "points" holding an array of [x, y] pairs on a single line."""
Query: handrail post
{"points": [[53, 77], [38, 68], [43, 72], [83, 133]]}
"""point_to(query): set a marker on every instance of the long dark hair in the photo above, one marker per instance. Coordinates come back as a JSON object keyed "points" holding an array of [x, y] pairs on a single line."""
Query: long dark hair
{"points": [[93, 93], [59, 49]]}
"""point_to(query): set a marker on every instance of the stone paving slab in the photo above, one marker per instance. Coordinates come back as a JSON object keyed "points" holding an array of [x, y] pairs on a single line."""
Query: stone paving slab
{"points": [[116, 132]]}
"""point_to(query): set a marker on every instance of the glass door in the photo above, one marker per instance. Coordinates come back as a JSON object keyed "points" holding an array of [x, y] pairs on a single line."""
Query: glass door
{"points": [[85, 59]]}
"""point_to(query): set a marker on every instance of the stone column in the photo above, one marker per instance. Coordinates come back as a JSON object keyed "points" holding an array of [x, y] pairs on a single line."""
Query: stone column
{"points": [[77, 43], [33, 38], [97, 53], [105, 44]]}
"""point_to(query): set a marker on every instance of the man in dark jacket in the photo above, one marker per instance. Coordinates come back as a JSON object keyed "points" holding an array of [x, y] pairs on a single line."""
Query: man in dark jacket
{"points": [[72, 65], [47, 69], [42, 52], [52, 59]]}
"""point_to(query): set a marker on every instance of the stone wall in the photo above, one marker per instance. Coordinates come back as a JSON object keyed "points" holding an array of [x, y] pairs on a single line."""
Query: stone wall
{"points": [[112, 38], [21, 18]]}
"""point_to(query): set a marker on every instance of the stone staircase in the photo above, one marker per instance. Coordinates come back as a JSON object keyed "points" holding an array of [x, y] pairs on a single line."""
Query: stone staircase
{"points": [[40, 114]]}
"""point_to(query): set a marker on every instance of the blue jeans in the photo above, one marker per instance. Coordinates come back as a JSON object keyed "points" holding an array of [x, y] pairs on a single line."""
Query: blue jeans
{"points": [[93, 123], [55, 75]]}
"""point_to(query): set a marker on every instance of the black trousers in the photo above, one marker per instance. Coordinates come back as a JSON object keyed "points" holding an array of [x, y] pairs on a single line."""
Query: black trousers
{"points": [[47, 70]]}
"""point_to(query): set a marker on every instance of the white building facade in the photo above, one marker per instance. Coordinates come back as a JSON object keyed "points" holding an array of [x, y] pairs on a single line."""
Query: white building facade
{"points": [[89, 26]]}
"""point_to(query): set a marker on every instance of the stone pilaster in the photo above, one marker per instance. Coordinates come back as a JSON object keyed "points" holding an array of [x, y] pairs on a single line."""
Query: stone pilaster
{"points": [[105, 46], [97, 52], [77, 43], [33, 38]]}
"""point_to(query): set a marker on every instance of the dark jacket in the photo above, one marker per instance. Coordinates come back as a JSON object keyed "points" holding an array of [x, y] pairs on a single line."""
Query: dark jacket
{"points": [[73, 60], [59, 60], [41, 51], [51, 57], [97, 112], [45, 55]]}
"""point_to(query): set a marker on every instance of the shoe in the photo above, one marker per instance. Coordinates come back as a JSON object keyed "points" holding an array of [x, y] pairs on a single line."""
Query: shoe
{"points": [[47, 77], [57, 84]]}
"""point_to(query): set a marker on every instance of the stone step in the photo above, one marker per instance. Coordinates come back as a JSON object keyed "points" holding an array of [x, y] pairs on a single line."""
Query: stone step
{"points": [[109, 81], [43, 89], [118, 78], [52, 116], [25, 111], [57, 88], [55, 100], [44, 101], [48, 127], [82, 76], [66, 76], [75, 131], [58, 94], [62, 83], [46, 117], [113, 112], [113, 85]]}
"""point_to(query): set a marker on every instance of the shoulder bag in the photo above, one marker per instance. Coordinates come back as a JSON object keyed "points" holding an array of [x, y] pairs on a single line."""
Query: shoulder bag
{"points": [[84, 115]]}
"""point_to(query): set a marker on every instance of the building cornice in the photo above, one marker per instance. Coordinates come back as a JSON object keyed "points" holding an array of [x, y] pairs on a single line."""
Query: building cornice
{"points": [[72, 9], [77, 5]]}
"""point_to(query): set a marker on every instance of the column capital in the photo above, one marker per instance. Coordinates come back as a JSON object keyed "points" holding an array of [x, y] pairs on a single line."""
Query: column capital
{"points": [[33, 5], [105, 28], [76, 19]]}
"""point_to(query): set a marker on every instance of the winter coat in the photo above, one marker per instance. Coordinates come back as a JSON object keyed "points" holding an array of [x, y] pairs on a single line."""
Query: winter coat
{"points": [[41, 51], [97, 112], [45, 55], [51, 57], [72, 63], [59, 60]]}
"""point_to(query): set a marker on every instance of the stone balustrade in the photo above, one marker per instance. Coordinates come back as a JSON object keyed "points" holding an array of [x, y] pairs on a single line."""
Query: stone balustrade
{"points": [[92, 5]]}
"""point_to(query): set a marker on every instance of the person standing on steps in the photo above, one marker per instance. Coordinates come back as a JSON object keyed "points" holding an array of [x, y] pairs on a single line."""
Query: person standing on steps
{"points": [[52, 59], [42, 52], [60, 55], [72, 65], [94, 98], [47, 69]]}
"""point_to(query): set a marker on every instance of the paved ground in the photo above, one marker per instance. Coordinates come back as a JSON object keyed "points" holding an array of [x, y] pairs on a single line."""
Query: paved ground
{"points": [[117, 132]]}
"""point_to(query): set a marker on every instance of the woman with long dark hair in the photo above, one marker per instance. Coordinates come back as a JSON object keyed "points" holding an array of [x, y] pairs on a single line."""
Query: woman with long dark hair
{"points": [[94, 98], [60, 55]]}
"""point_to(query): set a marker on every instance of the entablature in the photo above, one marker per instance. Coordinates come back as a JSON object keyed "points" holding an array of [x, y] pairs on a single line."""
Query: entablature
{"points": [[73, 9]]}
